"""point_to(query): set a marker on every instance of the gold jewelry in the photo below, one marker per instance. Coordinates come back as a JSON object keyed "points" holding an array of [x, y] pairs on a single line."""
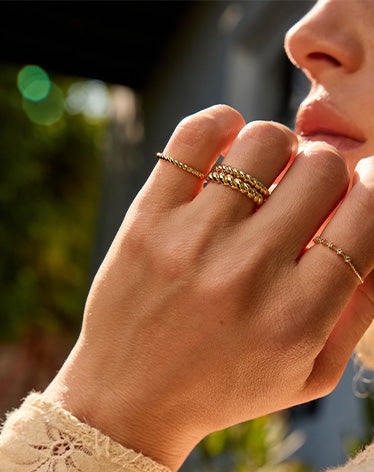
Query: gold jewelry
{"points": [[339, 252], [236, 184], [239, 174], [182, 166], [226, 175]]}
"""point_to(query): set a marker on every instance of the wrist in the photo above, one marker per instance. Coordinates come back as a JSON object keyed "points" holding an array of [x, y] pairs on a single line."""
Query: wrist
{"points": [[142, 429]]}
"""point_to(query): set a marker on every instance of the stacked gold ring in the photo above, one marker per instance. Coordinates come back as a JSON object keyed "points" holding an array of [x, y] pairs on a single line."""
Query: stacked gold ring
{"points": [[247, 178], [236, 184], [227, 175]]}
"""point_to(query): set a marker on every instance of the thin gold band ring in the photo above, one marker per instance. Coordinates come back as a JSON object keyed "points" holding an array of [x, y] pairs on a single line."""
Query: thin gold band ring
{"points": [[339, 252]]}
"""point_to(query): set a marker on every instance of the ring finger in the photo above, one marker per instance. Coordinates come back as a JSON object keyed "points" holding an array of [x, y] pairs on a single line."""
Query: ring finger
{"points": [[351, 228]]}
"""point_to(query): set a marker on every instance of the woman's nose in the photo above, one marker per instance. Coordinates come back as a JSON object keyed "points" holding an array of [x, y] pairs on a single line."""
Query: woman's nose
{"points": [[324, 40]]}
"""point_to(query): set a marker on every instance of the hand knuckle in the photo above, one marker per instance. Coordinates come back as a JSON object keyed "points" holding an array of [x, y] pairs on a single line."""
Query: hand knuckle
{"points": [[205, 126], [268, 134], [228, 112], [327, 164], [365, 169], [364, 195], [195, 129]]}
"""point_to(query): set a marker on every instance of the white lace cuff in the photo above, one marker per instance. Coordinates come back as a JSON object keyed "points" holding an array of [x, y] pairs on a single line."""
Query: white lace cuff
{"points": [[43, 437], [363, 462]]}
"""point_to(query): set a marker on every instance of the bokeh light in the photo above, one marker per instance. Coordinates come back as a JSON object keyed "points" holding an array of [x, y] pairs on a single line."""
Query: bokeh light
{"points": [[89, 97], [48, 111], [33, 83]]}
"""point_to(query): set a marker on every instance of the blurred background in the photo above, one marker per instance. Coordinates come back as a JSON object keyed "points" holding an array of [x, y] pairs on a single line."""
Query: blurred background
{"points": [[89, 92]]}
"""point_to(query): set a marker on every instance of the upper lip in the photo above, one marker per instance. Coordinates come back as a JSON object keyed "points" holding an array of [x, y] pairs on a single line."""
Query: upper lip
{"points": [[322, 117]]}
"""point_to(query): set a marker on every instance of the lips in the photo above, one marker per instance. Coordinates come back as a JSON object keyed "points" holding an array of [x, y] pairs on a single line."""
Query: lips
{"points": [[319, 120]]}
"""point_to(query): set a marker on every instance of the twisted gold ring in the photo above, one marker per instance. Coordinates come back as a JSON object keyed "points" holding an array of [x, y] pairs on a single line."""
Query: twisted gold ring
{"points": [[182, 166], [239, 174], [339, 252], [236, 184], [227, 175]]}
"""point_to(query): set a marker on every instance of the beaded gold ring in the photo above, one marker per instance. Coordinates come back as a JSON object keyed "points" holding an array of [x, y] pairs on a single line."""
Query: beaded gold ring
{"points": [[229, 176], [236, 184], [247, 178], [339, 252]]}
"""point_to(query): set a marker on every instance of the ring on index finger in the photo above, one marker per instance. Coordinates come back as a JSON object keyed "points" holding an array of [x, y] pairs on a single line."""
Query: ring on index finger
{"points": [[182, 166], [227, 175]]}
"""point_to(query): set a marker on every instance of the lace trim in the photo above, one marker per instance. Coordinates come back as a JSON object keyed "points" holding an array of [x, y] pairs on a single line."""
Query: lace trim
{"points": [[47, 438]]}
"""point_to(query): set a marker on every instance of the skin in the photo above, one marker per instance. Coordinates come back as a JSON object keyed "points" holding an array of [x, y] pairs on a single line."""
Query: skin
{"points": [[336, 52], [206, 312]]}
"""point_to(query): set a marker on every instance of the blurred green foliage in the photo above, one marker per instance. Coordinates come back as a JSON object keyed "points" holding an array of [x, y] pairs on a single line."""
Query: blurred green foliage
{"points": [[259, 445], [49, 185], [354, 445]]}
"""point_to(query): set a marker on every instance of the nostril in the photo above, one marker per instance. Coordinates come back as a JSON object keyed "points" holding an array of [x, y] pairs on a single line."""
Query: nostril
{"points": [[319, 56]]}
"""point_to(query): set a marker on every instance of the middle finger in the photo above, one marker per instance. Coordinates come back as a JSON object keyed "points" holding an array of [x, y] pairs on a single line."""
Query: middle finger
{"points": [[261, 149]]}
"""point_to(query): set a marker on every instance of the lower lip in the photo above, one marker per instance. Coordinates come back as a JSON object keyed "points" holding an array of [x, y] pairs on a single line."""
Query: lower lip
{"points": [[341, 143]]}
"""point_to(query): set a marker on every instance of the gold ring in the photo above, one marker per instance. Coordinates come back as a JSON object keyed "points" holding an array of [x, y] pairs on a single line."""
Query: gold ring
{"points": [[182, 166], [339, 252], [227, 175], [236, 184], [239, 174]]}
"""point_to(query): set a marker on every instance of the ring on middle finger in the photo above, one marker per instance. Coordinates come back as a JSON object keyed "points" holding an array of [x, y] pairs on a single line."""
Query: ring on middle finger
{"points": [[247, 178], [236, 184]]}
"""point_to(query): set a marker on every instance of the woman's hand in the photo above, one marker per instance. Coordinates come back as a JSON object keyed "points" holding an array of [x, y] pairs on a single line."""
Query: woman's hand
{"points": [[206, 312]]}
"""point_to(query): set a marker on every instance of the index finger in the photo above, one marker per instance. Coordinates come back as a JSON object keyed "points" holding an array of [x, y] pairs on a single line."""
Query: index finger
{"points": [[198, 142]]}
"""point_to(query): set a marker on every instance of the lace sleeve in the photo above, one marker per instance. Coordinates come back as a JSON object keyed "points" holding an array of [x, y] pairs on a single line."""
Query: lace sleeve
{"points": [[363, 462], [43, 437]]}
